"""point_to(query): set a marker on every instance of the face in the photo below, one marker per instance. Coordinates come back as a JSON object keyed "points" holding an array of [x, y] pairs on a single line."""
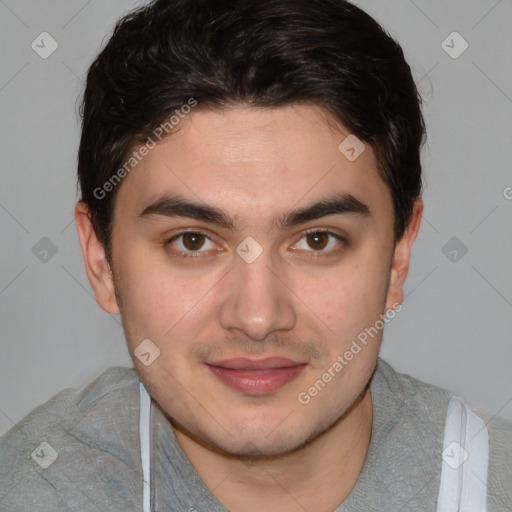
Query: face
{"points": [[253, 254]]}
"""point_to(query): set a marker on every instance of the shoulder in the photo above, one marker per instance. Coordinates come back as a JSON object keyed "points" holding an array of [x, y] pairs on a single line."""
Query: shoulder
{"points": [[404, 459], [426, 407], [426, 402], [499, 472], [80, 437]]}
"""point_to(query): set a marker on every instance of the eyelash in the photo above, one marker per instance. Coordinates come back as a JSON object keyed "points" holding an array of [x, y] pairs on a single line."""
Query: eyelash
{"points": [[311, 254]]}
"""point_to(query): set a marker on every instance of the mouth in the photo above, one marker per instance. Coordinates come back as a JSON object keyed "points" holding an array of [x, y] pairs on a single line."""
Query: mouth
{"points": [[256, 377]]}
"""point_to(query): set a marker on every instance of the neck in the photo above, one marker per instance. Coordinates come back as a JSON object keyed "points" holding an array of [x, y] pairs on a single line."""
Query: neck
{"points": [[317, 477]]}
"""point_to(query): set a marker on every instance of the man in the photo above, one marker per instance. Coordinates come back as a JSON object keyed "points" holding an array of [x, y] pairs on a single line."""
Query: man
{"points": [[251, 190]]}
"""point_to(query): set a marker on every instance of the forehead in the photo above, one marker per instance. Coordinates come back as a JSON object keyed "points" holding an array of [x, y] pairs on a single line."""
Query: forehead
{"points": [[259, 160]]}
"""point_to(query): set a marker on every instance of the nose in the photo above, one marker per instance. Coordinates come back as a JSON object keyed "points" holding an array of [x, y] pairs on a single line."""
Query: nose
{"points": [[258, 301]]}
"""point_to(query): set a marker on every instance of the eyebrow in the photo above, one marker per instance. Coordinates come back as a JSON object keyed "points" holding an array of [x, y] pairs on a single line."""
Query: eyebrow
{"points": [[174, 206]]}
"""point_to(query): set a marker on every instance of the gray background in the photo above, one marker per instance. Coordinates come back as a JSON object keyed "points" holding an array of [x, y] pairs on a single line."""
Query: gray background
{"points": [[455, 327]]}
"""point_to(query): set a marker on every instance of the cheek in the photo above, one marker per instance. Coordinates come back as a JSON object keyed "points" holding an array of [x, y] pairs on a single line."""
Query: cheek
{"points": [[347, 299], [148, 296], [160, 300]]}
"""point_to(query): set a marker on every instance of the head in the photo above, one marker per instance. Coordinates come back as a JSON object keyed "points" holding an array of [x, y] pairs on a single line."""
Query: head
{"points": [[250, 188]]}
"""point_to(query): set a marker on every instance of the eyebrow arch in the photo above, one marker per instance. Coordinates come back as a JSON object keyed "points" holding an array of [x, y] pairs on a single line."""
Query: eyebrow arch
{"points": [[174, 206]]}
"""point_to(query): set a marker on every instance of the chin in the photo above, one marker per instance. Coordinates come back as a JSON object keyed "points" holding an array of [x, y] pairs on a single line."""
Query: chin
{"points": [[268, 440], [260, 449], [253, 441]]}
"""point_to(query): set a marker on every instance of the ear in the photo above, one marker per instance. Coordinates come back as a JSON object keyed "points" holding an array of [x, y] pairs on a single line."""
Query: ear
{"points": [[95, 260], [402, 257]]}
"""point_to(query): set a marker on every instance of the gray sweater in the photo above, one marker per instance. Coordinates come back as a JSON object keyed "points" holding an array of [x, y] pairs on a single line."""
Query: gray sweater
{"points": [[94, 432]]}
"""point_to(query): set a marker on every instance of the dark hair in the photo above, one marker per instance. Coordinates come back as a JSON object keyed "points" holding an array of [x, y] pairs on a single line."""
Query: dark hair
{"points": [[264, 53]]}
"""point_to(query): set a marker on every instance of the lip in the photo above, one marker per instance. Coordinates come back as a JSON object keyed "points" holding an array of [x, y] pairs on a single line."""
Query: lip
{"points": [[256, 376]]}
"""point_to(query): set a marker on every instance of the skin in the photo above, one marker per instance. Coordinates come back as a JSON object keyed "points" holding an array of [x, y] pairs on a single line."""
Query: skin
{"points": [[267, 452]]}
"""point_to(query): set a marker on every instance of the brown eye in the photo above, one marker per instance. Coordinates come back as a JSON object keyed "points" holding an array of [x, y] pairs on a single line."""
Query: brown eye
{"points": [[190, 244], [318, 241], [193, 241]]}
